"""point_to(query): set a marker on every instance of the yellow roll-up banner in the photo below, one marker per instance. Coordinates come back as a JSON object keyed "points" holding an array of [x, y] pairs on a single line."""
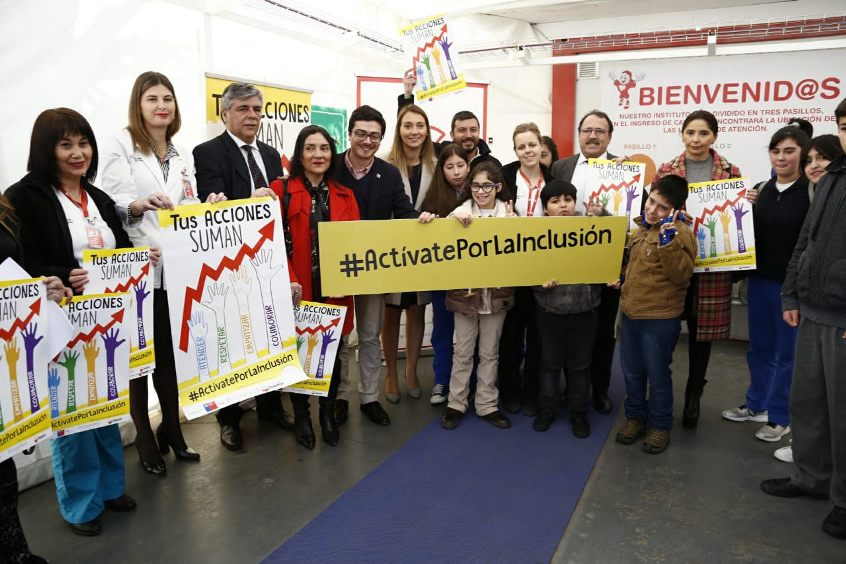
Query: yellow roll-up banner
{"points": [[374, 257]]}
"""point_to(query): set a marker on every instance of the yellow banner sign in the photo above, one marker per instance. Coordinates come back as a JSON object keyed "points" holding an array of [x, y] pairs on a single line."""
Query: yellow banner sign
{"points": [[375, 257]]}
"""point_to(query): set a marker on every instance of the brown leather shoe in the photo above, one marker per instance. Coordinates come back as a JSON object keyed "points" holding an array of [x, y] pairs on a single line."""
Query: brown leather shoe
{"points": [[632, 430], [656, 441]]}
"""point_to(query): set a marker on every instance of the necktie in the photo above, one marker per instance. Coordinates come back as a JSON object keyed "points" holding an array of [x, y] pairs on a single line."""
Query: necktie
{"points": [[255, 171]]}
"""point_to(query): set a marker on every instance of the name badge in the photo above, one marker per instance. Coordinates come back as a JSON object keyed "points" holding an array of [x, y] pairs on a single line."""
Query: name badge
{"points": [[187, 188], [95, 237]]}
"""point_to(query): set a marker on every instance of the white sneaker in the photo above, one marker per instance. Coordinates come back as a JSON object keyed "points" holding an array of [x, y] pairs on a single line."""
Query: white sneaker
{"points": [[772, 433], [743, 413], [439, 394], [785, 454]]}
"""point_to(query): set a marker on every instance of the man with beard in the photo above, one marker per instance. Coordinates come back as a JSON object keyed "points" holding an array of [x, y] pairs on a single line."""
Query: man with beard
{"points": [[464, 129]]}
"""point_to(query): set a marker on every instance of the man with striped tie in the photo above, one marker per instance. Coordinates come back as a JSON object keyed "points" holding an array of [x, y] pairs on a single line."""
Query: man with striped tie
{"points": [[240, 166]]}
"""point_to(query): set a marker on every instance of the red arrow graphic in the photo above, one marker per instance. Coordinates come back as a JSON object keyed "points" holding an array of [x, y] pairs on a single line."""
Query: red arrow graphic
{"points": [[117, 317], [206, 272], [19, 324], [428, 45], [612, 187], [320, 328], [724, 206], [121, 288]]}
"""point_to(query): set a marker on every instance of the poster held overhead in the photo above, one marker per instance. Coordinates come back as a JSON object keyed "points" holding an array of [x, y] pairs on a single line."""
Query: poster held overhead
{"points": [[434, 57]]}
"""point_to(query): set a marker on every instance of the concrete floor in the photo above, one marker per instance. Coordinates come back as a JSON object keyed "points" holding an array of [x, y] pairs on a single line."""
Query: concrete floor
{"points": [[698, 502]]}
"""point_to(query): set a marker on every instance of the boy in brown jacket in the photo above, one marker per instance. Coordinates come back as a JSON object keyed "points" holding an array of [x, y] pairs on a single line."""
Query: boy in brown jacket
{"points": [[660, 264]]}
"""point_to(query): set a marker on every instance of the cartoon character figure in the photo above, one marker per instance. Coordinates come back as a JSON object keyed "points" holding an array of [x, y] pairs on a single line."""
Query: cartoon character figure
{"points": [[624, 84]]}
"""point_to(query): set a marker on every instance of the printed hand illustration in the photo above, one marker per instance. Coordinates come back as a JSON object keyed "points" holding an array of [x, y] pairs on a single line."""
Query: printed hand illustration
{"points": [[69, 362], [111, 342], [53, 381], [739, 212], [216, 301], [445, 45], [198, 326], [242, 283], [604, 199], [141, 294], [426, 62], [216, 298], [13, 354], [712, 226], [631, 195], [618, 198], [327, 339], [199, 329], [90, 351], [725, 219], [30, 342], [311, 343], [300, 341], [263, 263]]}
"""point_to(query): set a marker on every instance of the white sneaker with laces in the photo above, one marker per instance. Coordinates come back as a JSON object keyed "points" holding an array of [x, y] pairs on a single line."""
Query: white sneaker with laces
{"points": [[771, 432], [785, 454], [743, 413], [439, 394]]}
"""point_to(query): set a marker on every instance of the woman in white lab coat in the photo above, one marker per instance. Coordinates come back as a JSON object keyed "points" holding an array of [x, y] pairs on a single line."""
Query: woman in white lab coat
{"points": [[144, 170]]}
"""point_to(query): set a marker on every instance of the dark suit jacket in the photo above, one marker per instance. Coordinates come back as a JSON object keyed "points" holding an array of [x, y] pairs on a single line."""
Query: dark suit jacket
{"points": [[221, 167], [563, 169], [44, 233], [380, 194]]}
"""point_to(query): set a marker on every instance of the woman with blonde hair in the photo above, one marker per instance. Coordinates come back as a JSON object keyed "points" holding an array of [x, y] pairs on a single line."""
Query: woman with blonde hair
{"points": [[413, 153]]}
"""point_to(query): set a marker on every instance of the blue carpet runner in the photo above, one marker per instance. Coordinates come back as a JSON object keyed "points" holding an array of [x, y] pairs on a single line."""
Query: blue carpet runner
{"points": [[475, 494]]}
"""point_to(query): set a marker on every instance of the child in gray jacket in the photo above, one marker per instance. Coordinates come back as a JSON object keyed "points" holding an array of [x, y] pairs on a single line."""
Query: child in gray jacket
{"points": [[566, 318]]}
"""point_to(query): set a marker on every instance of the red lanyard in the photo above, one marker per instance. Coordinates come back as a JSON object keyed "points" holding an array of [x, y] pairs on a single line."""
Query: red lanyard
{"points": [[81, 204], [534, 194]]}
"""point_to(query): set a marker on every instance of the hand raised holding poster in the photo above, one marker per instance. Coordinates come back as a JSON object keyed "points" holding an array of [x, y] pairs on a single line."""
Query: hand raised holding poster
{"points": [[230, 302], [433, 57]]}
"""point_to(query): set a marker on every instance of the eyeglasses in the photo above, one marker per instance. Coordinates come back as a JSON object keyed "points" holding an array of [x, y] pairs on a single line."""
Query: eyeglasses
{"points": [[483, 188], [590, 131], [361, 135]]}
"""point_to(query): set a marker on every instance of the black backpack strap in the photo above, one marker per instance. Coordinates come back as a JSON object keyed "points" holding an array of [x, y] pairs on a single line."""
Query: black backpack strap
{"points": [[286, 202]]}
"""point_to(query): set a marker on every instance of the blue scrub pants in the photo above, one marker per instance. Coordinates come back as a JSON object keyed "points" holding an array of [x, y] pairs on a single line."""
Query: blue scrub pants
{"points": [[88, 469], [772, 346]]}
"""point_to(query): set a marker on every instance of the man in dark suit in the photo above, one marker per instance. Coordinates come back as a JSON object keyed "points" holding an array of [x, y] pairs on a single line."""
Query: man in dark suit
{"points": [[464, 129], [595, 130], [240, 166], [380, 194]]}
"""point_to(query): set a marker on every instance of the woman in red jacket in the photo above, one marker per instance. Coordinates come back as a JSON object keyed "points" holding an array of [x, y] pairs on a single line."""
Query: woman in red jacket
{"points": [[308, 197]]}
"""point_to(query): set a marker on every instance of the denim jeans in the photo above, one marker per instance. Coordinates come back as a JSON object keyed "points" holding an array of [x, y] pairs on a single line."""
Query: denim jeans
{"points": [[772, 344], [646, 352], [443, 328]]}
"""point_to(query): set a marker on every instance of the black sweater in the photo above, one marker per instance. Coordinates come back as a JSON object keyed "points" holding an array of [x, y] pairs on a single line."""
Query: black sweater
{"points": [[44, 233], [778, 222]]}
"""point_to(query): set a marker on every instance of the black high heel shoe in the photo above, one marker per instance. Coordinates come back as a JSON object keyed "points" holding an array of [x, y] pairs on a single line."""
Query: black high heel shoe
{"points": [[165, 444], [157, 469]]}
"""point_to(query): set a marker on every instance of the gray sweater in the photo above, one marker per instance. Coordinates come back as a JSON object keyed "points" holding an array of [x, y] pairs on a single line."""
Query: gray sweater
{"points": [[816, 275]]}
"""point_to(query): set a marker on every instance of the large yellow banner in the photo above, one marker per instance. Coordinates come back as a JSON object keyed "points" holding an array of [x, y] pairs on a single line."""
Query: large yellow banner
{"points": [[374, 257]]}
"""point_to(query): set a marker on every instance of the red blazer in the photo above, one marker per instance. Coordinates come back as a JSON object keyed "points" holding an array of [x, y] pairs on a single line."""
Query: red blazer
{"points": [[342, 207]]}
